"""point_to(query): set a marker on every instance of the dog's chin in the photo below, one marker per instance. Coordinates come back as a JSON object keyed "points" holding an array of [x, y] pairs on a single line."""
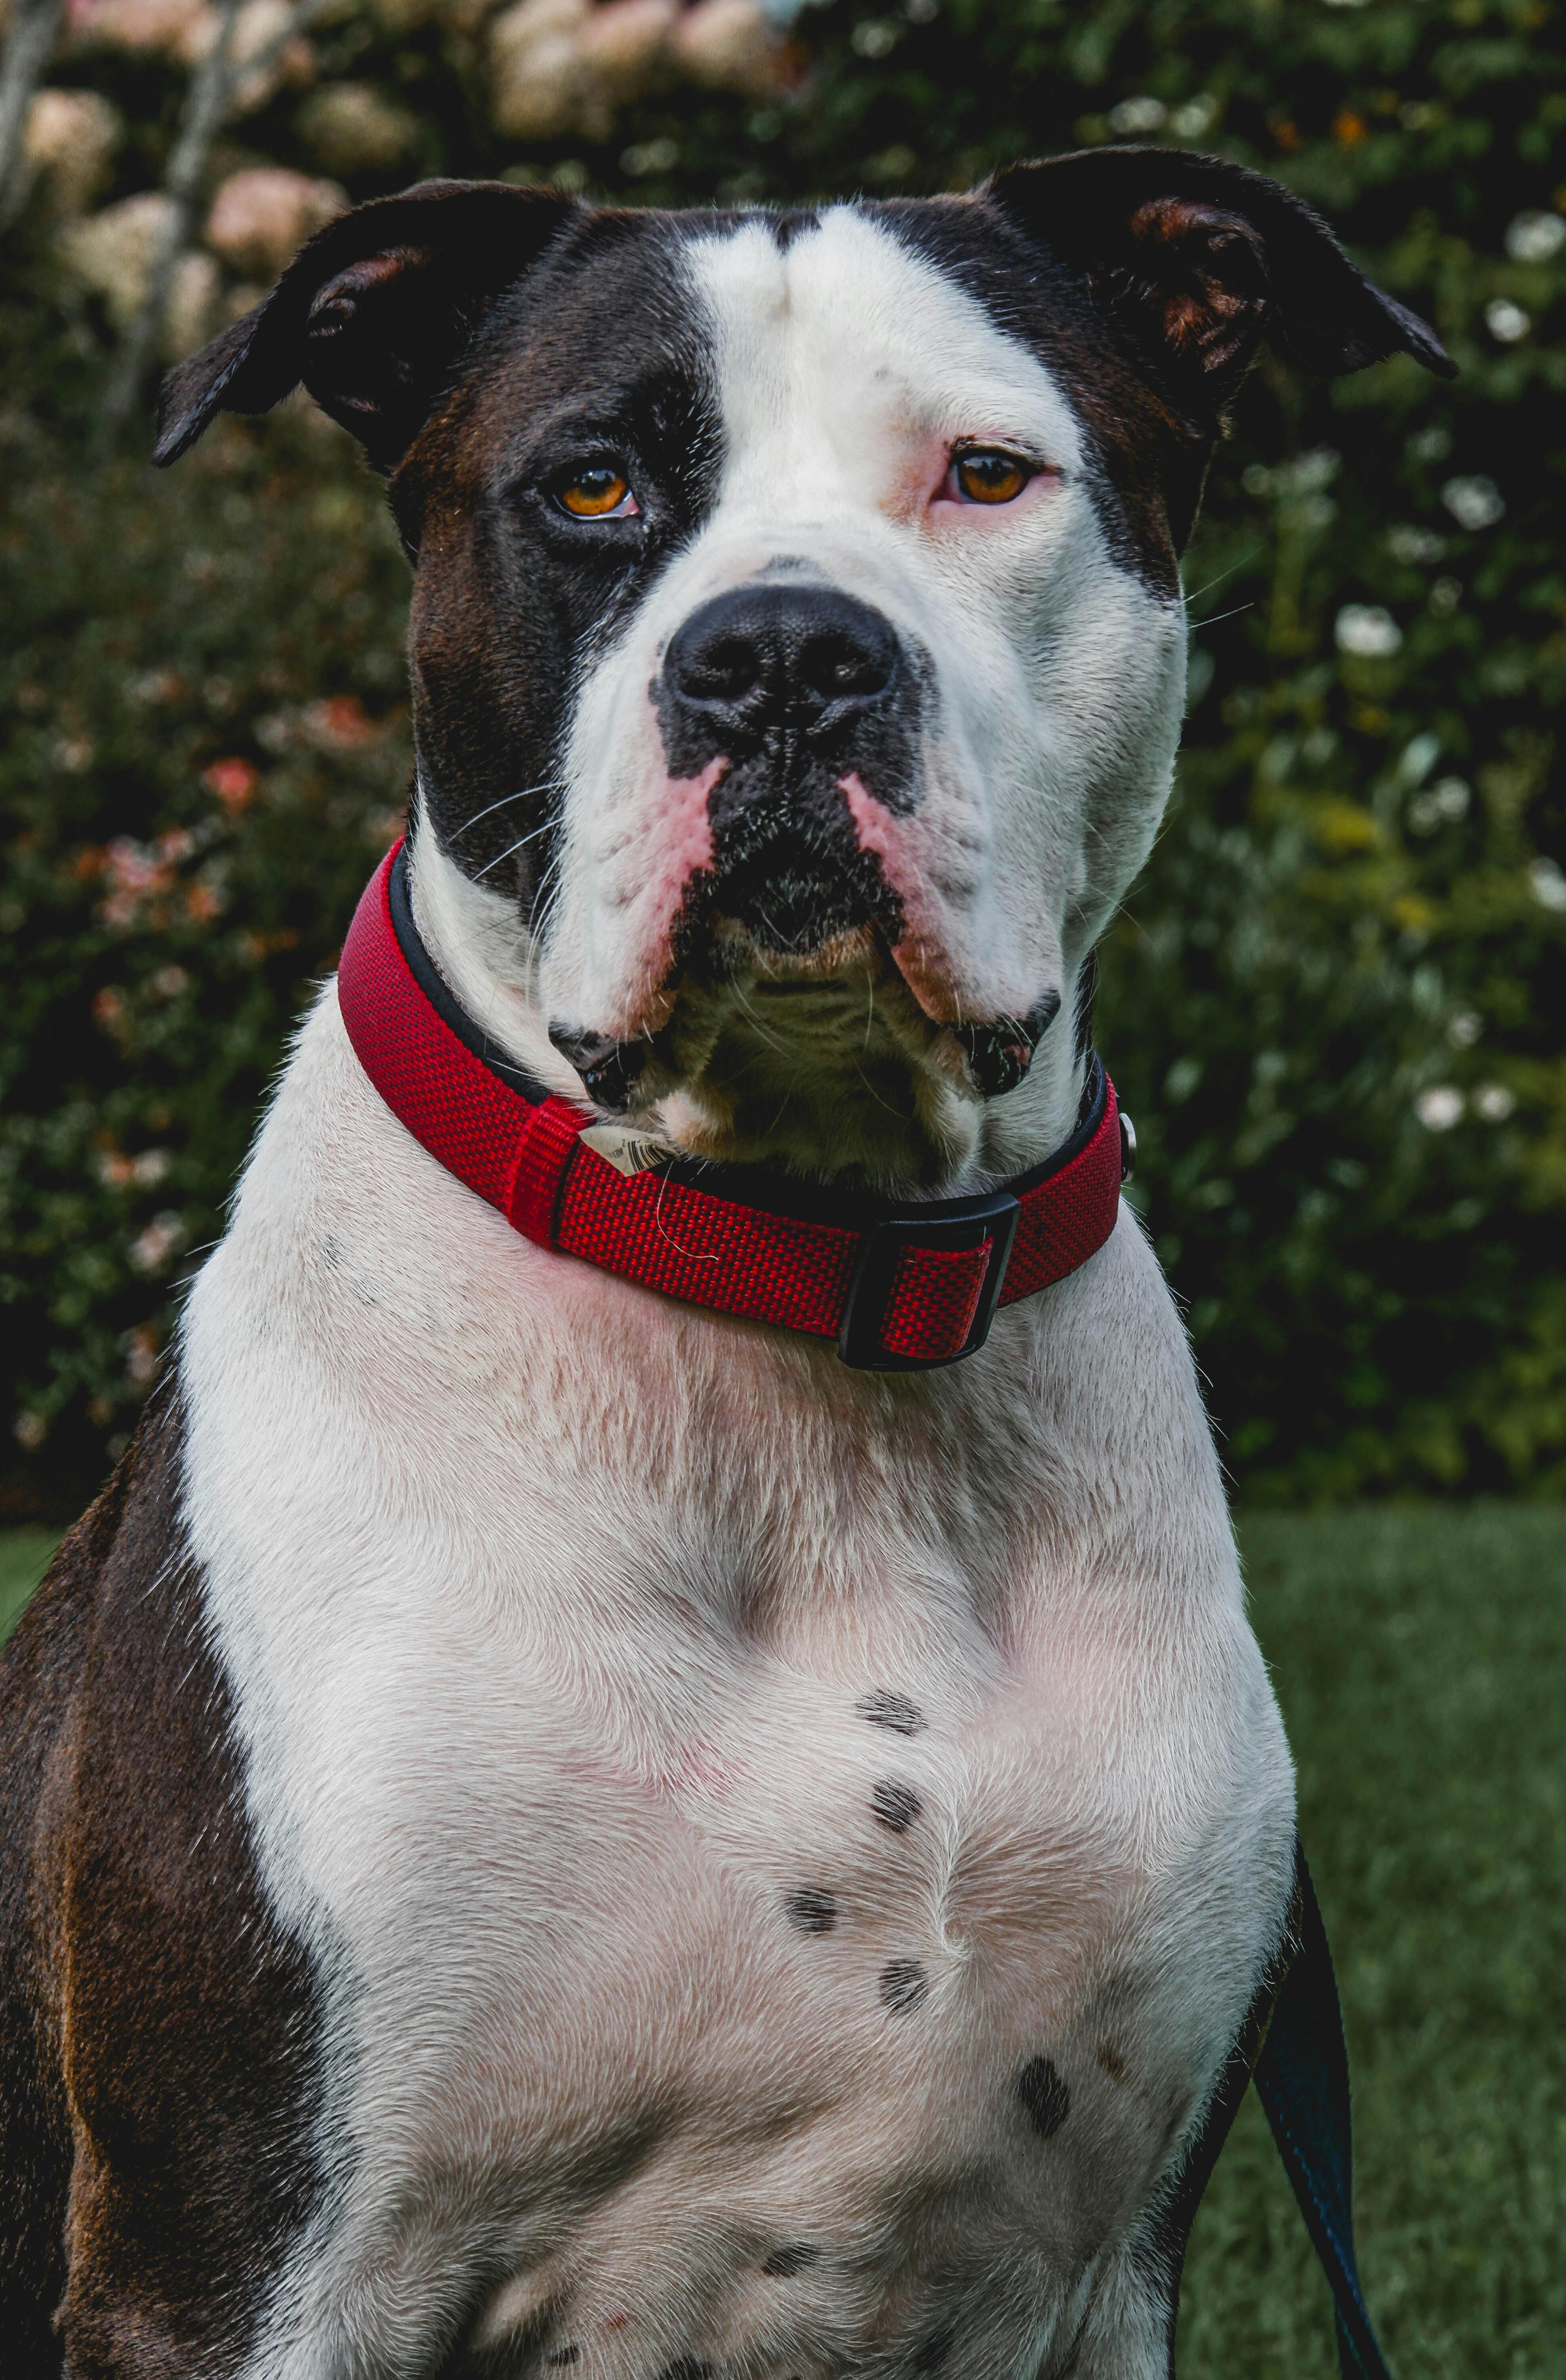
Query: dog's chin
{"points": [[814, 1060]]}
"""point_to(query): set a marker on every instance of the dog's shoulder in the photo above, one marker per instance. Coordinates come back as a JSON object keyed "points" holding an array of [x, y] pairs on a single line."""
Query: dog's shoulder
{"points": [[159, 2028]]}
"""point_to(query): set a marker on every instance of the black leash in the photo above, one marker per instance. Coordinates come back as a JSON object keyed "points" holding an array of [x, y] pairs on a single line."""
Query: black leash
{"points": [[1291, 2047]]}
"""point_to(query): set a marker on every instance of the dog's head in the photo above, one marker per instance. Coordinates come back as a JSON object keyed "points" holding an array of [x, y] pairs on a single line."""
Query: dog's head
{"points": [[797, 642]]}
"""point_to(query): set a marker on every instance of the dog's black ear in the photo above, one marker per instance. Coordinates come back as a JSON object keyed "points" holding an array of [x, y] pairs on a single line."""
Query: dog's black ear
{"points": [[1199, 260], [370, 315]]}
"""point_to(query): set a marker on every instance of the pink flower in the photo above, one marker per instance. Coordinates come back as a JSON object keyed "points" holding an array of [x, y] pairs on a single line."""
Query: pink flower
{"points": [[233, 783]]}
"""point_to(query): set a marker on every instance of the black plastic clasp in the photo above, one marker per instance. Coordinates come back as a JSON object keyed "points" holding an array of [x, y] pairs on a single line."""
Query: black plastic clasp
{"points": [[979, 1222]]}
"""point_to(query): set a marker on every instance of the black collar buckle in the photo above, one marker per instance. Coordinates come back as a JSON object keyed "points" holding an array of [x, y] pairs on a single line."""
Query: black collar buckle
{"points": [[956, 1224]]}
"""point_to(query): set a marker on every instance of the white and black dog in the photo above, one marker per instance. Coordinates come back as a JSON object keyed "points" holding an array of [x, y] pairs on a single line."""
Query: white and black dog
{"points": [[543, 1825]]}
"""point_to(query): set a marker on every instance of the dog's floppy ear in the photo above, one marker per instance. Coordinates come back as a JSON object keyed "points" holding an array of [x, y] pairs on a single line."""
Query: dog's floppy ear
{"points": [[370, 315], [1199, 260]]}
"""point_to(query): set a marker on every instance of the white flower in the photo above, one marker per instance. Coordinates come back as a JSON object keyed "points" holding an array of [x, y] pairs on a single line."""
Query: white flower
{"points": [[164, 1238], [659, 156], [1419, 757], [1475, 503], [1494, 1102], [1367, 631], [1195, 116], [1464, 1028], [1535, 238], [1143, 114], [1506, 322], [1440, 1109], [1549, 885], [1407, 544], [1306, 474], [1444, 805]]}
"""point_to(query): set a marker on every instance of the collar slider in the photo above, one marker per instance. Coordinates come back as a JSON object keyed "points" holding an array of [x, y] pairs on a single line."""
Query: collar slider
{"points": [[920, 1278]]}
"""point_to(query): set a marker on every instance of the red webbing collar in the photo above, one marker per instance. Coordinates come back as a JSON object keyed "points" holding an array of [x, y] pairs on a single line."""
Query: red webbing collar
{"points": [[900, 1289]]}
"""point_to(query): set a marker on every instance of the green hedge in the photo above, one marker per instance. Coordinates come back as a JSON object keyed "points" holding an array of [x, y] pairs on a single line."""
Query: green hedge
{"points": [[1334, 1004]]}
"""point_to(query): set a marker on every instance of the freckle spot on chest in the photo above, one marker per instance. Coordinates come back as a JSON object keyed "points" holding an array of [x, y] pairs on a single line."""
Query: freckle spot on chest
{"points": [[1044, 2095], [784, 2263], [1111, 2061], [904, 1984], [811, 1911], [894, 1804], [886, 1709]]}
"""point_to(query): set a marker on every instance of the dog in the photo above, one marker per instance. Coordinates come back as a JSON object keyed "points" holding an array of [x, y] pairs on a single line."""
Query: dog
{"points": [[551, 1824]]}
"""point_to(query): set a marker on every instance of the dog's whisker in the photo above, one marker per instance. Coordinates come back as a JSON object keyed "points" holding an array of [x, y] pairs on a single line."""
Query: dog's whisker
{"points": [[1214, 617], [521, 794], [1194, 594], [513, 847]]}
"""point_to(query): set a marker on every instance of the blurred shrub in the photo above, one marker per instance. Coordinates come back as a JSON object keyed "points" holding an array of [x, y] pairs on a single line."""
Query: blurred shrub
{"points": [[1334, 1003]]}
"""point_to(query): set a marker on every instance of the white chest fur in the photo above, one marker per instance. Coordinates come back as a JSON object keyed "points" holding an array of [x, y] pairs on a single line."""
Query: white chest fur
{"points": [[789, 1850]]}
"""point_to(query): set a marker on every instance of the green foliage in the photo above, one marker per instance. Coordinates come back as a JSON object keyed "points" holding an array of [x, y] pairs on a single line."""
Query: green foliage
{"points": [[205, 747], [1333, 1002]]}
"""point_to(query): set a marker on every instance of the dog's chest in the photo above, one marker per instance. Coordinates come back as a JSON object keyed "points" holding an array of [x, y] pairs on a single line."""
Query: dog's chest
{"points": [[747, 1997]]}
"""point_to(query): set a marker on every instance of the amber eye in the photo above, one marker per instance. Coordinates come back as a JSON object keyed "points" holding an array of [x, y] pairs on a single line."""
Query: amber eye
{"points": [[597, 492], [989, 477]]}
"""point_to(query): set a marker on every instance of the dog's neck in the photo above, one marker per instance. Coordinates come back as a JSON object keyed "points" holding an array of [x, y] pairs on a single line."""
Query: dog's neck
{"points": [[829, 1121]]}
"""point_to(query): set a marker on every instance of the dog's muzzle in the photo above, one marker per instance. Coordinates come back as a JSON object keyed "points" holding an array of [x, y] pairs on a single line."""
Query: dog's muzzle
{"points": [[794, 687]]}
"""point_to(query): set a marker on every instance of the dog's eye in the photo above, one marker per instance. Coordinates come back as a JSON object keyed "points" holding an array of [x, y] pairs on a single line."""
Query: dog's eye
{"points": [[986, 476], [600, 492]]}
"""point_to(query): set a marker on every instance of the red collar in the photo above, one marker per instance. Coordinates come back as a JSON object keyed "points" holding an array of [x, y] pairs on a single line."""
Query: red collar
{"points": [[900, 1289]]}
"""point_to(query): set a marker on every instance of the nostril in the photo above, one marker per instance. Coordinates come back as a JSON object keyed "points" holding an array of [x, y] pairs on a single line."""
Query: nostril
{"points": [[721, 669], [840, 666]]}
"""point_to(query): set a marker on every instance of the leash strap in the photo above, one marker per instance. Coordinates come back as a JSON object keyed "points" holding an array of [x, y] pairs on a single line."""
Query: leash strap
{"points": [[1301, 2079], [1291, 2047], [900, 1289]]}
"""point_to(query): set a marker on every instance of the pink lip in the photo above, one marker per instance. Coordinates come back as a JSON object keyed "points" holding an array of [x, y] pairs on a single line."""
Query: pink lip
{"points": [[918, 957], [683, 853]]}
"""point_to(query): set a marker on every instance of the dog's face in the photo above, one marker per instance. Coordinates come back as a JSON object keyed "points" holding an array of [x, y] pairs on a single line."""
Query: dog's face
{"points": [[797, 637], [787, 662]]}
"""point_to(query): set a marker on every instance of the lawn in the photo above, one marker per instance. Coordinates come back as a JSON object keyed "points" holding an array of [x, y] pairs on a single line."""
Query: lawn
{"points": [[1420, 1656], [24, 1554]]}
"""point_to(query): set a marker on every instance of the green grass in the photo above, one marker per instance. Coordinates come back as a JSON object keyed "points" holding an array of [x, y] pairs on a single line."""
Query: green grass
{"points": [[1420, 1656], [24, 1558]]}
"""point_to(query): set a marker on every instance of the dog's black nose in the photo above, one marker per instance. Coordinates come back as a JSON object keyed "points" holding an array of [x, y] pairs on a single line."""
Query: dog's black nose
{"points": [[802, 661]]}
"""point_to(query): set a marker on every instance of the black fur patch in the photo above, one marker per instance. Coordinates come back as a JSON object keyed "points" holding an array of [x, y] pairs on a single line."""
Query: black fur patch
{"points": [[157, 2122], [597, 355]]}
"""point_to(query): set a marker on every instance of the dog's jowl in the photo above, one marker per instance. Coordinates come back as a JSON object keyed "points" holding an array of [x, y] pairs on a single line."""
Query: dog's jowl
{"points": [[543, 1825]]}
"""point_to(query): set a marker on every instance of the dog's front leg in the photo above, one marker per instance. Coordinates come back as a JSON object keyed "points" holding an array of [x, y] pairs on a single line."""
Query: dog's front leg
{"points": [[1126, 2331]]}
